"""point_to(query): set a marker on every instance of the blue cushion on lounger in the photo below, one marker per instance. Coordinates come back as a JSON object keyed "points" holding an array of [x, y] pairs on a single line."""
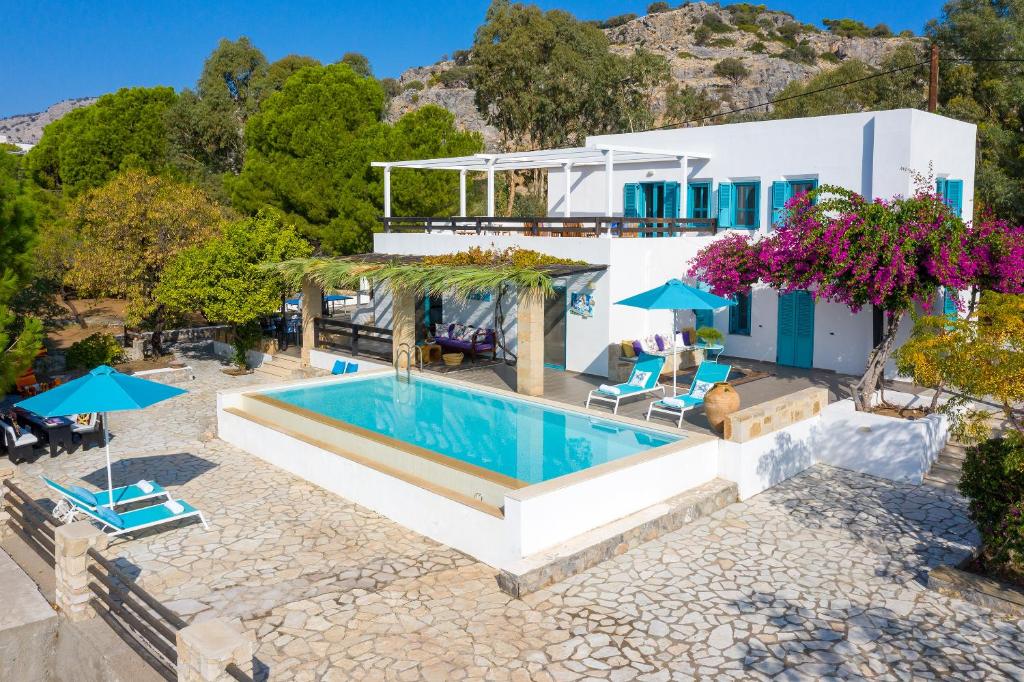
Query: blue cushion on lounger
{"points": [[110, 516], [84, 495], [339, 367]]}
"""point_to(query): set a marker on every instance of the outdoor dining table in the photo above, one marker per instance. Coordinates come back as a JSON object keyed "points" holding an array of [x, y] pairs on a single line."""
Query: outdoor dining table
{"points": [[55, 430]]}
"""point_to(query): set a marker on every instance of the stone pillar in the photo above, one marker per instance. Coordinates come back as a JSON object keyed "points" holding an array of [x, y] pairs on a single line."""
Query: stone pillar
{"points": [[312, 307], [206, 649], [71, 562], [6, 472], [403, 324], [530, 342]]}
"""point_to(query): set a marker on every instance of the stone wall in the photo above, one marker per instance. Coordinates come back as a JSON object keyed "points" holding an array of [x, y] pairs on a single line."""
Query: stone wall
{"points": [[774, 415]]}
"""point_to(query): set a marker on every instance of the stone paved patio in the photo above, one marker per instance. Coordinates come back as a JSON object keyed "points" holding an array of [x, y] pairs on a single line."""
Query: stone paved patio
{"points": [[821, 577]]}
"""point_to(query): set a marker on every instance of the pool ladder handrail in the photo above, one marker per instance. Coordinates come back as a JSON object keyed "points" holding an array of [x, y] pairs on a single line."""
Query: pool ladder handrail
{"points": [[411, 354]]}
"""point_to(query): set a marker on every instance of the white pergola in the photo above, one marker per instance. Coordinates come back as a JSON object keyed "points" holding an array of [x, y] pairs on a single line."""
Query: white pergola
{"points": [[607, 155]]}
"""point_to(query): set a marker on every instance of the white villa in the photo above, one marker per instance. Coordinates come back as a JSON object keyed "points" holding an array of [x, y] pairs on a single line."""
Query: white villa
{"points": [[701, 183]]}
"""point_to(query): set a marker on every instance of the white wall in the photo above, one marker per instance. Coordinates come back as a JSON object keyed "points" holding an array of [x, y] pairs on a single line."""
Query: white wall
{"points": [[868, 152]]}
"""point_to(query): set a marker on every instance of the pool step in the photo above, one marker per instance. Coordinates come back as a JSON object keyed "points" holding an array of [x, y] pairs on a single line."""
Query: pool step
{"points": [[608, 541]]}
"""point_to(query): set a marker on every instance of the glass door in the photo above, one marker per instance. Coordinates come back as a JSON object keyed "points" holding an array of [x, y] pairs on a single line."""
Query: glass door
{"points": [[555, 329]]}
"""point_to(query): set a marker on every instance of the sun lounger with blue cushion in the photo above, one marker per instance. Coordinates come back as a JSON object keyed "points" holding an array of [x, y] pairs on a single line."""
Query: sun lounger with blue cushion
{"points": [[642, 380], [708, 374], [146, 517], [79, 497]]}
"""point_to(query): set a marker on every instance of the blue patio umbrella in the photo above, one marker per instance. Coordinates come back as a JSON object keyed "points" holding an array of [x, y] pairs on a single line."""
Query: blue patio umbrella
{"points": [[674, 295], [104, 389]]}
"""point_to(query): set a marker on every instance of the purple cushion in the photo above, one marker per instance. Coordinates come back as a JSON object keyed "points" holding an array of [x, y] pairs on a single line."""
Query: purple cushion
{"points": [[637, 348], [686, 338], [660, 341]]}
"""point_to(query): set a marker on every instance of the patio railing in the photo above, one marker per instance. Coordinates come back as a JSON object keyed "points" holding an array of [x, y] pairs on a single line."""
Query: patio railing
{"points": [[29, 521], [557, 226], [356, 339]]}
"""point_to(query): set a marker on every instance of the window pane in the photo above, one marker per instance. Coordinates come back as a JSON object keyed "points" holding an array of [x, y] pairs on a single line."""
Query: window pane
{"points": [[746, 205], [801, 187], [701, 201]]}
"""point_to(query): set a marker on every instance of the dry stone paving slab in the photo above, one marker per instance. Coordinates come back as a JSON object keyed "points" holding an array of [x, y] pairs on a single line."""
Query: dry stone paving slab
{"points": [[822, 577]]}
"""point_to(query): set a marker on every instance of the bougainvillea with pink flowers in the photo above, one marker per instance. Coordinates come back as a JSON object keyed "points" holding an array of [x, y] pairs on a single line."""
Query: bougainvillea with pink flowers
{"points": [[889, 254]]}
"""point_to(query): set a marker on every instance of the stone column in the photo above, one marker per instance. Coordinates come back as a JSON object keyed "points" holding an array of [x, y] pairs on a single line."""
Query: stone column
{"points": [[6, 472], [403, 324], [206, 649], [312, 307], [530, 342], [71, 562]]}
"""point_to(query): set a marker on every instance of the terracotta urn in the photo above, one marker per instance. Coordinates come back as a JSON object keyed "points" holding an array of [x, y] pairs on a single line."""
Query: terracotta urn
{"points": [[719, 402]]}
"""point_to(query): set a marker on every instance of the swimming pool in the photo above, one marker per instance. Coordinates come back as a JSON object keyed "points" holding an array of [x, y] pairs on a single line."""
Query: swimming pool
{"points": [[523, 440]]}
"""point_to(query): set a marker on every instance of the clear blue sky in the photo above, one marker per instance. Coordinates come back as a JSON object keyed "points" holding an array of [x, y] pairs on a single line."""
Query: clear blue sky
{"points": [[74, 48]]}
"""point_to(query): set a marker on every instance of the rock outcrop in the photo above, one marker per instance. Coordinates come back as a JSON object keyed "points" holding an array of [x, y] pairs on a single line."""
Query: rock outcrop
{"points": [[28, 128], [772, 64]]}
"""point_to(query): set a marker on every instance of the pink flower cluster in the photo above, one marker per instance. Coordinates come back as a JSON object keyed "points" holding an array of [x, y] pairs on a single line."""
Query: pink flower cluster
{"points": [[889, 254]]}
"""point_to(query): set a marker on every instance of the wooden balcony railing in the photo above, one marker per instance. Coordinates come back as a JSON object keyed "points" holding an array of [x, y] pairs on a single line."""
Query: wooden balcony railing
{"points": [[557, 226]]}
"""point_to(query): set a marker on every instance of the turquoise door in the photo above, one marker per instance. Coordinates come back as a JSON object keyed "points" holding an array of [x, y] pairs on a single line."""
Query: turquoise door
{"points": [[796, 329]]}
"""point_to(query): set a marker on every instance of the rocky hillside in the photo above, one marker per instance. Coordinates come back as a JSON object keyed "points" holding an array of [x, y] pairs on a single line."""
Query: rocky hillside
{"points": [[773, 47], [28, 128]]}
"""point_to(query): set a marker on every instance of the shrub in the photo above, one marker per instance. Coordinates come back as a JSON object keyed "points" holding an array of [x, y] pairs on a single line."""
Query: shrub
{"points": [[683, 54], [993, 481], [731, 68], [757, 47], [802, 53], [790, 30], [658, 7], [246, 336], [701, 35], [94, 350], [617, 20], [722, 42], [851, 28], [830, 57], [714, 23], [413, 85]]}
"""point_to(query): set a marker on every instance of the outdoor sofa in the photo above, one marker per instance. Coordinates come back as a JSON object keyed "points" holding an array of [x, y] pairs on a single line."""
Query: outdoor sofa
{"points": [[460, 338]]}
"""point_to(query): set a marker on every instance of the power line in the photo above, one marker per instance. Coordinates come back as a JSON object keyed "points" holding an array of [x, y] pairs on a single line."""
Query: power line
{"points": [[789, 97], [823, 89]]}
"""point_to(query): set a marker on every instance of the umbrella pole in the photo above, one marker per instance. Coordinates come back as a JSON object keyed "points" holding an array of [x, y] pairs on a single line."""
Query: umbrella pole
{"points": [[110, 478], [675, 358]]}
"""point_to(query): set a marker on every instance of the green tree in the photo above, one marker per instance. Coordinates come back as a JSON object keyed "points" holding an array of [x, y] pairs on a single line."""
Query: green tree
{"points": [[20, 336], [545, 79], [987, 90], [658, 7], [684, 104], [83, 149], [222, 278], [127, 231], [852, 28], [358, 63], [205, 125], [309, 154], [904, 89]]}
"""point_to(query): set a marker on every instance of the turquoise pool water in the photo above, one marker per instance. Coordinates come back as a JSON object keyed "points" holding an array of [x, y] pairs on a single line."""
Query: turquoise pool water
{"points": [[518, 438]]}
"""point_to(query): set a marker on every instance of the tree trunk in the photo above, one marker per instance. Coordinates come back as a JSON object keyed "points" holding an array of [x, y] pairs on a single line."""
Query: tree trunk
{"points": [[879, 355], [499, 326], [935, 398], [158, 330]]}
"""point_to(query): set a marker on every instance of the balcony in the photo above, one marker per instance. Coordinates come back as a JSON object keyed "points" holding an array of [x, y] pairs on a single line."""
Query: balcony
{"points": [[556, 226]]}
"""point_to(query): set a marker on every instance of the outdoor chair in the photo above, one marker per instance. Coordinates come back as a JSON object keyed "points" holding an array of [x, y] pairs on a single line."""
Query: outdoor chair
{"points": [[87, 427], [19, 446], [77, 498], [147, 517], [708, 374], [642, 380]]}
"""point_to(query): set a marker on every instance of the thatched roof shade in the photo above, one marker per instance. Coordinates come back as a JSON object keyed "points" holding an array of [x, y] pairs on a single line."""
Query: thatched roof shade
{"points": [[426, 274]]}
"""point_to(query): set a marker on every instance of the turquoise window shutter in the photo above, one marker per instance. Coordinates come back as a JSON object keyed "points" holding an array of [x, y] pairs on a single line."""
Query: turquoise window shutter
{"points": [[671, 200], [955, 196], [725, 202], [632, 200], [780, 195], [949, 306], [940, 187]]}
